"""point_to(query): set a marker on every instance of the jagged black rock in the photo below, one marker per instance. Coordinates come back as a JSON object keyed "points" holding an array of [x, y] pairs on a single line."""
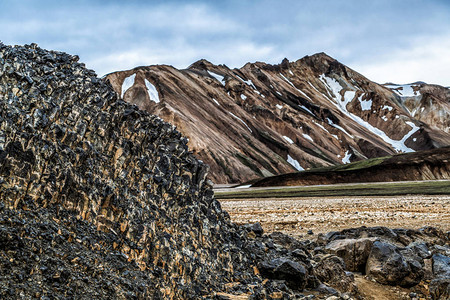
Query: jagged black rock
{"points": [[69, 146]]}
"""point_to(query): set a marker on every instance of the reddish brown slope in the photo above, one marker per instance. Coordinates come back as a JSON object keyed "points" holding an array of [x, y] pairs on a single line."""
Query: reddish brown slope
{"points": [[423, 165], [263, 119]]}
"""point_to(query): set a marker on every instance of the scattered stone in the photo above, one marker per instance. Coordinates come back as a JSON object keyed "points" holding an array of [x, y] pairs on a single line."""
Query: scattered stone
{"points": [[255, 227], [441, 265], [284, 269]]}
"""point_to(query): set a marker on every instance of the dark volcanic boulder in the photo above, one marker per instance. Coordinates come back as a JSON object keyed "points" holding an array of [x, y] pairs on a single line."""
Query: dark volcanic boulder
{"points": [[256, 228], [420, 248], [388, 264], [441, 265], [285, 269], [440, 285]]}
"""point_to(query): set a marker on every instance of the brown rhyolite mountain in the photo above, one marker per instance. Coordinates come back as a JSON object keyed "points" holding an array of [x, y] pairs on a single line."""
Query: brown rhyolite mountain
{"points": [[431, 164], [262, 119]]}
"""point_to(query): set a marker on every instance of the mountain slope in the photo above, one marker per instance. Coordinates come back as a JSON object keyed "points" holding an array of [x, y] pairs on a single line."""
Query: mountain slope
{"points": [[423, 165], [261, 120], [428, 103]]}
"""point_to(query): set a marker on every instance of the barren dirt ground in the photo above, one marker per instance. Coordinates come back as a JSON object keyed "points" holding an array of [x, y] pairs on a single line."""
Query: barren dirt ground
{"points": [[295, 216]]}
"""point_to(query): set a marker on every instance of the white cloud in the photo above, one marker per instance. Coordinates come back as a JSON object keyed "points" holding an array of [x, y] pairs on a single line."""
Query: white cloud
{"points": [[181, 54], [426, 59], [384, 40]]}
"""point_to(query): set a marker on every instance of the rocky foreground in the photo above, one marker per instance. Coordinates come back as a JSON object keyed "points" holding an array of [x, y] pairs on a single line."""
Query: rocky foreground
{"points": [[100, 200], [297, 216]]}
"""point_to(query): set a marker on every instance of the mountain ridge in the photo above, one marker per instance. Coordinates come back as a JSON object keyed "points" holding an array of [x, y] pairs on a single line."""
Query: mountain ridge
{"points": [[261, 119]]}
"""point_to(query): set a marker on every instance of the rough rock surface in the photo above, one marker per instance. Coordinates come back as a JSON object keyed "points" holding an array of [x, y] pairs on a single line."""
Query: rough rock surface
{"points": [[387, 265], [428, 103], [71, 150], [353, 251], [397, 256], [263, 120]]}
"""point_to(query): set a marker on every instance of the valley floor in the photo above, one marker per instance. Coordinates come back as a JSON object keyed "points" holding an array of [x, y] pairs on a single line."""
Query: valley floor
{"points": [[296, 216]]}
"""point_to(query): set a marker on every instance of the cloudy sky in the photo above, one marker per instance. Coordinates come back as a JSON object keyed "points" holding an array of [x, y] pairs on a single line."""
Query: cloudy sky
{"points": [[386, 40]]}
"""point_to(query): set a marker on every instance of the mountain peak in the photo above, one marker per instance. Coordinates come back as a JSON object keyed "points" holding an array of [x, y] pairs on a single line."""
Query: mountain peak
{"points": [[201, 64]]}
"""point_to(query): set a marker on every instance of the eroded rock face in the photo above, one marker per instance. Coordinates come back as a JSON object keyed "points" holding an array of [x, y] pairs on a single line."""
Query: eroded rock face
{"points": [[68, 145], [386, 264], [331, 269]]}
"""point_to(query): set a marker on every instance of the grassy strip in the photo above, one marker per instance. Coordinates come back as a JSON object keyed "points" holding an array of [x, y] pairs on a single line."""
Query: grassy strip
{"points": [[366, 189], [358, 165]]}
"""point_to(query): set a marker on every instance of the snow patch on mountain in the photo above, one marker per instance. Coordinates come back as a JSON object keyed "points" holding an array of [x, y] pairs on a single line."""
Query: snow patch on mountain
{"points": [[365, 104], [127, 83], [306, 136], [294, 163], [335, 87], [288, 81], [313, 87], [247, 82], [305, 108], [339, 127], [398, 145], [331, 85], [218, 77], [404, 90], [346, 159], [152, 91], [242, 121], [288, 139]]}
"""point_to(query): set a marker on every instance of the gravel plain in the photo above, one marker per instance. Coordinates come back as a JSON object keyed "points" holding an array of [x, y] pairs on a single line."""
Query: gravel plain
{"points": [[297, 216]]}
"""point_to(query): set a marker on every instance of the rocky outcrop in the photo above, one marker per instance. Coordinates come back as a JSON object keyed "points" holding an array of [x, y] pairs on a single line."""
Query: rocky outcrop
{"points": [[263, 120], [354, 252], [71, 155], [387, 265], [407, 258]]}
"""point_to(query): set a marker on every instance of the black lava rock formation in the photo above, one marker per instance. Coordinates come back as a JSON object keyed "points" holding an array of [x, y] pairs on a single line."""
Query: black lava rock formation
{"points": [[99, 198]]}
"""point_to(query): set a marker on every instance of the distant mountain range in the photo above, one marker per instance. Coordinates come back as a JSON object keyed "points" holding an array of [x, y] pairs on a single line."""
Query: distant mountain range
{"points": [[262, 120]]}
